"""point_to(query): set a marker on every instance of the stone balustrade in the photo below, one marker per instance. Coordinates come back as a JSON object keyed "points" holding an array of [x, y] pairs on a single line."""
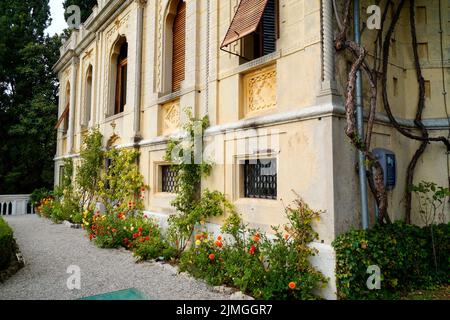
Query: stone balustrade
{"points": [[15, 204]]}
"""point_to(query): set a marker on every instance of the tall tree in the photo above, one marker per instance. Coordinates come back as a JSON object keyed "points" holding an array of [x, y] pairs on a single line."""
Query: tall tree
{"points": [[85, 6], [28, 100]]}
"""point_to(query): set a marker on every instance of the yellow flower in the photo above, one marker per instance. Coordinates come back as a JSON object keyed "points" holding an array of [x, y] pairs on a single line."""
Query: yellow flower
{"points": [[198, 242]]}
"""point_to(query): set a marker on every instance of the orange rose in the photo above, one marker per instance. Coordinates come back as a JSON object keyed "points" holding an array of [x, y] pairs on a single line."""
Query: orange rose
{"points": [[212, 256], [198, 236], [292, 285], [219, 238], [219, 244]]}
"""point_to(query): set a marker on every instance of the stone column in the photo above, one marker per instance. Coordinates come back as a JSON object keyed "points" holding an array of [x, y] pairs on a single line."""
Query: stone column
{"points": [[138, 70], [329, 52], [73, 88]]}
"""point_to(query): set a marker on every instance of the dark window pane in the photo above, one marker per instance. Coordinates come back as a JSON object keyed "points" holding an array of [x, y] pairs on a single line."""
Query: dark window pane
{"points": [[168, 179], [260, 179]]}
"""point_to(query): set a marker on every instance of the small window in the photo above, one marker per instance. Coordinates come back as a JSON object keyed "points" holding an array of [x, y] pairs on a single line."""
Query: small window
{"points": [[256, 23], [263, 41], [168, 179], [260, 178], [66, 121]]}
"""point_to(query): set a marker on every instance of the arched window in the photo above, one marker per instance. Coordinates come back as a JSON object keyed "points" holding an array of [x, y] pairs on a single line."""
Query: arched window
{"points": [[88, 97], [174, 46], [118, 82], [179, 46], [66, 112]]}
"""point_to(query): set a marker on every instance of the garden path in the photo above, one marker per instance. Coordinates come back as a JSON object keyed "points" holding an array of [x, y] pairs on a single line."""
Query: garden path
{"points": [[49, 249]]}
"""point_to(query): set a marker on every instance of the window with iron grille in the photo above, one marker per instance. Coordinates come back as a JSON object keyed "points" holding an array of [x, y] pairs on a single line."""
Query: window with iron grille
{"points": [[260, 178], [168, 176]]}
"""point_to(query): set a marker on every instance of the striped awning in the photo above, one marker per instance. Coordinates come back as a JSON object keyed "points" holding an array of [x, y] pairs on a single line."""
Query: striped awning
{"points": [[245, 21]]}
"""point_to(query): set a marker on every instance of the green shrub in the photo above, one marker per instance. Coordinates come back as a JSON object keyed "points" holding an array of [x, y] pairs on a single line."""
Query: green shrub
{"points": [[404, 253], [6, 244], [38, 195], [265, 268], [152, 248]]}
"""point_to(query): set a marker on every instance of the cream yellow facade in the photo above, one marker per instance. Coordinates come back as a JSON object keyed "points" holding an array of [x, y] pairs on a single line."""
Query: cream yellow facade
{"points": [[286, 105]]}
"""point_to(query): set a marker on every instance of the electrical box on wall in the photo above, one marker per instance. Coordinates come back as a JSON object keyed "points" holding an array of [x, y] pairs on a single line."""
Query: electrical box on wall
{"points": [[389, 164]]}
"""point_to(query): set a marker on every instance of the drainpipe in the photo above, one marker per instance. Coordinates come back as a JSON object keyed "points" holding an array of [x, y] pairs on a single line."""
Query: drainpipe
{"points": [[208, 30], [360, 125]]}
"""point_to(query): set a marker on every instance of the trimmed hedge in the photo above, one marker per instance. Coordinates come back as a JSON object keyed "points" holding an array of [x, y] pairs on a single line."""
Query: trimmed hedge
{"points": [[404, 253], [6, 244]]}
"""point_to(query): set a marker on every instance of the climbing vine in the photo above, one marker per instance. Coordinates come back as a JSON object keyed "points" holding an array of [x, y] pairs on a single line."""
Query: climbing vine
{"points": [[192, 206], [382, 48]]}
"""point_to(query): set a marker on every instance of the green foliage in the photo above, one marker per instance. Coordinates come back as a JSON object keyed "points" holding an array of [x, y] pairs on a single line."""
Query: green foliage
{"points": [[67, 204], [38, 195], [191, 206], [28, 96], [85, 6], [432, 199], [6, 244], [404, 254], [121, 185], [265, 268], [89, 171]]}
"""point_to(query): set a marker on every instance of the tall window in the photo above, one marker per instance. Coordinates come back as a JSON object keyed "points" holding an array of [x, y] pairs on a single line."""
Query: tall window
{"points": [[88, 97], [179, 46], [121, 76], [256, 24], [66, 113]]}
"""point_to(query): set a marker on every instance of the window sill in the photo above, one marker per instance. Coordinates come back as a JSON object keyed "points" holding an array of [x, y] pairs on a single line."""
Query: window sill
{"points": [[257, 202], [114, 117], [252, 65]]}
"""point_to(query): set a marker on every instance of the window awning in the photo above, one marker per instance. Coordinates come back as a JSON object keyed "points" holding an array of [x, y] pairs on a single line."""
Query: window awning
{"points": [[61, 118], [245, 21]]}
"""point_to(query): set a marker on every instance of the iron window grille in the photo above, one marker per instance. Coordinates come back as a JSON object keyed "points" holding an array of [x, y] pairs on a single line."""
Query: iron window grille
{"points": [[260, 179], [168, 179]]}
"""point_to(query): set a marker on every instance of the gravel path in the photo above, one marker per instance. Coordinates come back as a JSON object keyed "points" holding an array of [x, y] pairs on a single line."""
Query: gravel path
{"points": [[49, 249]]}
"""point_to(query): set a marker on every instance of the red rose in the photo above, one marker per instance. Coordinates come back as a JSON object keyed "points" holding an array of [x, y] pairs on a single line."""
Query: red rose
{"points": [[252, 249], [147, 238], [135, 236], [140, 229], [211, 256], [219, 244]]}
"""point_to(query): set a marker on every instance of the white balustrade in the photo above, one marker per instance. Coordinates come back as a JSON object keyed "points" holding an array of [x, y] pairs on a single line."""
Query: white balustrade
{"points": [[15, 204]]}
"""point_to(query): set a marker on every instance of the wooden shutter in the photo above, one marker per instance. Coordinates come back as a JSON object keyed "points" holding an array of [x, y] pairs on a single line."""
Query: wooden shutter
{"points": [[269, 28], [179, 46], [245, 21], [62, 117]]}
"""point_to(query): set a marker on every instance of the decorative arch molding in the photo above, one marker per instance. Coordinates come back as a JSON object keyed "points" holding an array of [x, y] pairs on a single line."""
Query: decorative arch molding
{"points": [[111, 74], [166, 12]]}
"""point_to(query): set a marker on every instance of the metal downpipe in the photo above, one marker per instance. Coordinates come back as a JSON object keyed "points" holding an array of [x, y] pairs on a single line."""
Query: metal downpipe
{"points": [[360, 125]]}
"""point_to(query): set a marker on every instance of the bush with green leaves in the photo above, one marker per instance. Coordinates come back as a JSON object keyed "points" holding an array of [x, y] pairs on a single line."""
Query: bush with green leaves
{"points": [[6, 244], [265, 267], [89, 171], [38, 195], [404, 254], [121, 185]]}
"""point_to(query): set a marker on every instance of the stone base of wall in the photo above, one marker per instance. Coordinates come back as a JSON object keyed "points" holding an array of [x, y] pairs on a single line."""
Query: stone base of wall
{"points": [[324, 261], [16, 263]]}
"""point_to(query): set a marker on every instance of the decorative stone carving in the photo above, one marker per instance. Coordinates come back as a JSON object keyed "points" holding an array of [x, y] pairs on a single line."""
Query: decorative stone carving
{"points": [[170, 116], [118, 23], [260, 90]]}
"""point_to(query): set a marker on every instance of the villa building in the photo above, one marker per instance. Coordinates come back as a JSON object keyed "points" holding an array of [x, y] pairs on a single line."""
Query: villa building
{"points": [[266, 74]]}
